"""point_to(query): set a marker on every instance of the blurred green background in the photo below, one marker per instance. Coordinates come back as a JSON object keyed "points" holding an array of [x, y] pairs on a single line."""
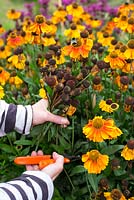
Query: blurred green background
{"points": [[19, 5]]}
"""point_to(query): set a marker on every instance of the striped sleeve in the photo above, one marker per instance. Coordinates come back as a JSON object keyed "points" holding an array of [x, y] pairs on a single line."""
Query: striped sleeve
{"points": [[31, 185], [15, 117]]}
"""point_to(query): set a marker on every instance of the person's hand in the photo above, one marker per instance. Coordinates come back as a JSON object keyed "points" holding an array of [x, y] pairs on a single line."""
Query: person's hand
{"points": [[53, 170], [42, 115]]}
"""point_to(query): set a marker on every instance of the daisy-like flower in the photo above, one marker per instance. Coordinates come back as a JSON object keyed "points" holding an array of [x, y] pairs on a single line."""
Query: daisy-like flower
{"points": [[2, 94], [114, 194], [4, 76], [59, 57], [14, 40], [94, 161], [75, 10], [15, 80], [130, 27], [48, 40], [94, 23], [121, 22], [59, 16], [5, 51], [115, 60], [71, 110], [128, 150], [42, 93], [99, 129], [76, 49], [39, 26], [128, 104], [104, 38], [18, 60], [129, 53], [2, 30], [108, 106], [97, 85], [74, 31], [13, 14]]}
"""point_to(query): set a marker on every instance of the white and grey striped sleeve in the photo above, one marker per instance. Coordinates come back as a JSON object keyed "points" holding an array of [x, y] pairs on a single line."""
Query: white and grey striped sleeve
{"points": [[31, 185], [15, 117]]}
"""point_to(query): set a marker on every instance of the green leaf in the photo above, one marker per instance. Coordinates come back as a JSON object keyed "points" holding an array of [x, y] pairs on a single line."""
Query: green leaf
{"points": [[111, 149], [23, 142], [49, 90], [92, 178], [7, 148], [78, 169]]}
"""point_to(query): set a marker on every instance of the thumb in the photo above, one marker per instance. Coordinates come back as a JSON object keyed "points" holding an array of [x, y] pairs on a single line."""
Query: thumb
{"points": [[57, 119]]}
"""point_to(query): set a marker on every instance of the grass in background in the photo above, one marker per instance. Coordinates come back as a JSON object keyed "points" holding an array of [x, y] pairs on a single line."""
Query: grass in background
{"points": [[4, 7], [19, 5]]}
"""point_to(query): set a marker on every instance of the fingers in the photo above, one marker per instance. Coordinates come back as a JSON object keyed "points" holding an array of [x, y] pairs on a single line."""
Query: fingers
{"points": [[53, 170], [34, 167], [57, 119]]}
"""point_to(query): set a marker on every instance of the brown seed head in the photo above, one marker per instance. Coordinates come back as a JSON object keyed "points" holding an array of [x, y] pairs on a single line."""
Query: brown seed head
{"points": [[116, 194], [124, 80], [97, 80], [130, 144]]}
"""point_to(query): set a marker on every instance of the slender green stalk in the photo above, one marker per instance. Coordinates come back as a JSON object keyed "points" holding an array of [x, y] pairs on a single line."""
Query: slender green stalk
{"points": [[69, 179]]}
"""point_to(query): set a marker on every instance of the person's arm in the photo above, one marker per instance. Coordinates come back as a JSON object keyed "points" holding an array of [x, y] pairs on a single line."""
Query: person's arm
{"points": [[33, 184], [15, 117], [20, 118]]}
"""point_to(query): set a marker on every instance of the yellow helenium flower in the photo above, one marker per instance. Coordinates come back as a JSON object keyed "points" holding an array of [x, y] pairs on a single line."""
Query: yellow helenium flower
{"points": [[100, 129], [1, 42], [121, 22], [13, 14], [18, 61], [129, 53], [75, 10], [71, 110], [48, 40], [116, 61], [2, 94], [114, 194], [59, 16], [42, 93], [104, 106], [128, 150], [94, 161], [130, 27], [104, 38], [5, 51]]}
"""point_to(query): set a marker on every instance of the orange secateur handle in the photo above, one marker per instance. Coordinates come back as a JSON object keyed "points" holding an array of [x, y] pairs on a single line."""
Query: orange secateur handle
{"points": [[42, 161]]}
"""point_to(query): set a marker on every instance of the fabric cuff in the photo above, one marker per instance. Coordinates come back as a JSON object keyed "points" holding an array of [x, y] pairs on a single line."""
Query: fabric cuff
{"points": [[44, 177]]}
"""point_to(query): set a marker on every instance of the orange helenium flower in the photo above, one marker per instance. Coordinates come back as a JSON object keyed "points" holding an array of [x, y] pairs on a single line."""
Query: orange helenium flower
{"points": [[39, 26], [4, 76], [115, 60], [78, 49], [94, 161], [14, 40], [127, 153], [100, 129]]}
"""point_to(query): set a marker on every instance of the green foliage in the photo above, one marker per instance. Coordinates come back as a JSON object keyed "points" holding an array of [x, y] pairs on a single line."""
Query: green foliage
{"points": [[74, 183]]}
